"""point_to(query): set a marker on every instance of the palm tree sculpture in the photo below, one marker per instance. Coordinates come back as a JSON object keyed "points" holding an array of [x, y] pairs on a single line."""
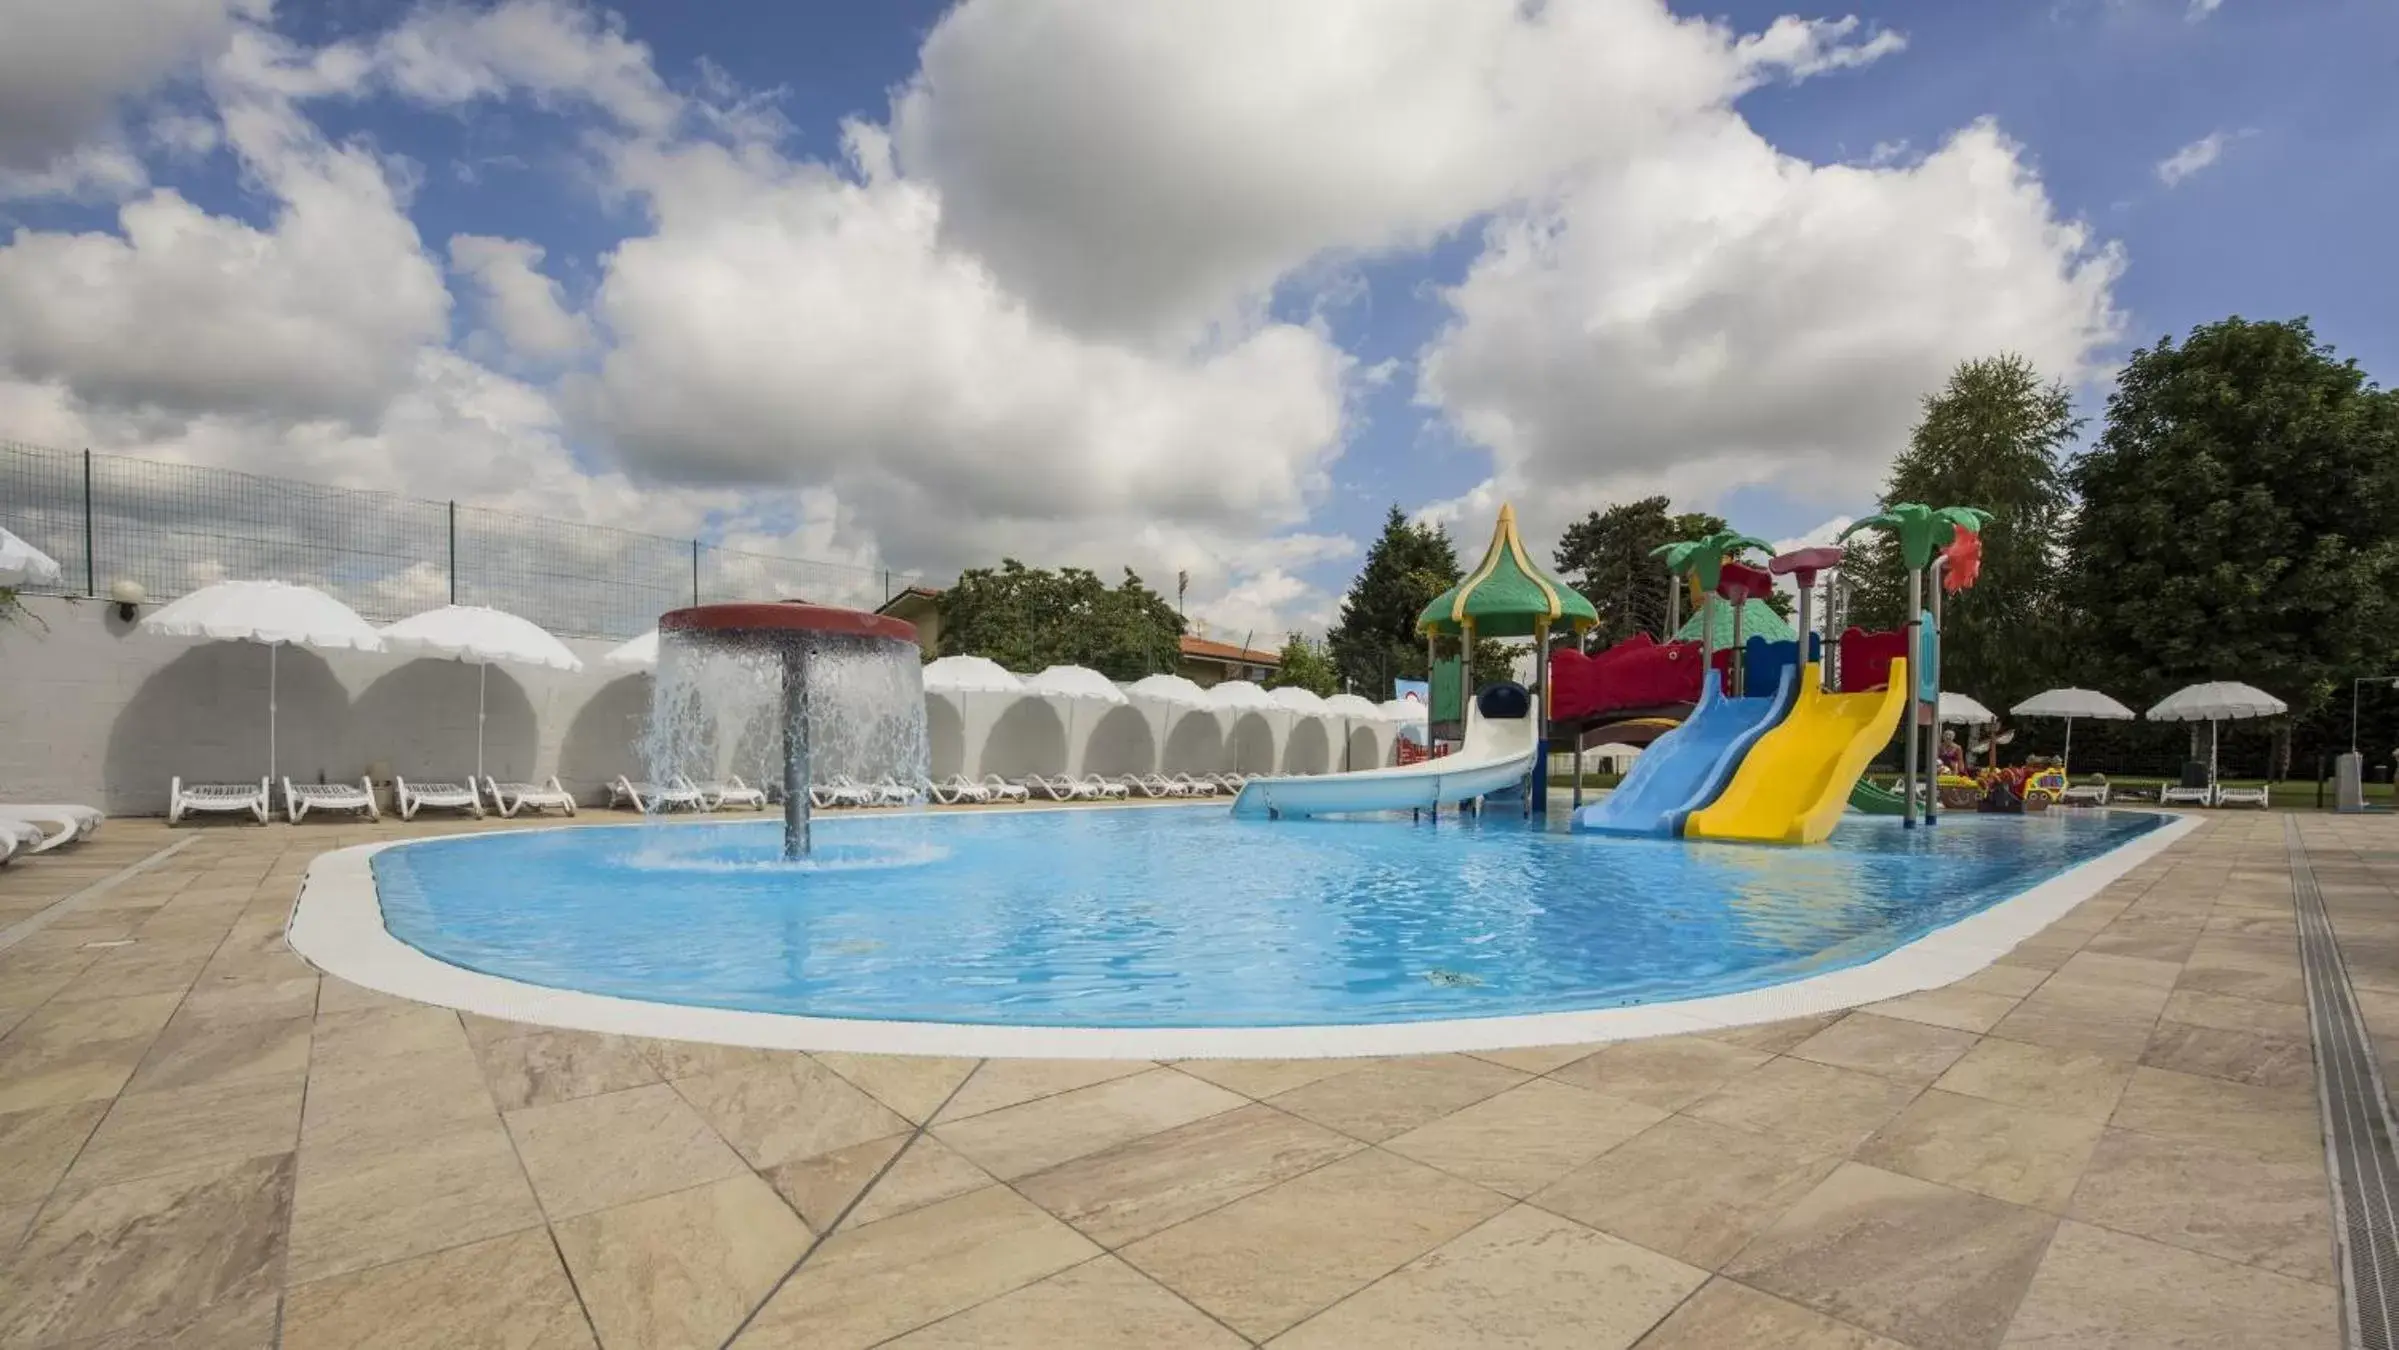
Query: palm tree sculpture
{"points": [[1920, 531], [1703, 561]]}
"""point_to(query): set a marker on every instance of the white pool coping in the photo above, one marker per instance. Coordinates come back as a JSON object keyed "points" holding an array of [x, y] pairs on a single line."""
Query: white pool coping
{"points": [[337, 924]]}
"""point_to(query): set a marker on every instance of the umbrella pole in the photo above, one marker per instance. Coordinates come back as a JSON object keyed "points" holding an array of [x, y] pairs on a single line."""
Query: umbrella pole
{"points": [[2065, 762], [271, 715], [1911, 735], [482, 669]]}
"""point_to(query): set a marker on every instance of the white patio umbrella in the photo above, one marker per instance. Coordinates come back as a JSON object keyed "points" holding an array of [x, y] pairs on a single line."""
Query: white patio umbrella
{"points": [[271, 613], [970, 675], [639, 654], [1075, 686], [21, 564], [2216, 701], [2070, 704], [1965, 711], [482, 636]]}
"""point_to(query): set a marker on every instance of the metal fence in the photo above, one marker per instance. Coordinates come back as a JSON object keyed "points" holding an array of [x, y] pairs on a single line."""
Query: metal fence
{"points": [[172, 528]]}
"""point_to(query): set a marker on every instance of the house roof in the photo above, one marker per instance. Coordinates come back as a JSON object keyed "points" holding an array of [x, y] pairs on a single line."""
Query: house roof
{"points": [[1509, 595], [1204, 649], [907, 593]]}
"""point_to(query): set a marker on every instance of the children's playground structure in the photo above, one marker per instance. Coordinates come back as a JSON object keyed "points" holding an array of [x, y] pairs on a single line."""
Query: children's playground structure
{"points": [[1757, 729]]}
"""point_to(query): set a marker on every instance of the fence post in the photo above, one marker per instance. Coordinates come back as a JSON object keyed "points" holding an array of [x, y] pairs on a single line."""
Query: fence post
{"points": [[453, 552], [887, 585], [91, 576], [695, 572]]}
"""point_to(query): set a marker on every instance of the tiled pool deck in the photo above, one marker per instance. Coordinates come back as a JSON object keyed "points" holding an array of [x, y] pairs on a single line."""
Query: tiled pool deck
{"points": [[2109, 1139]]}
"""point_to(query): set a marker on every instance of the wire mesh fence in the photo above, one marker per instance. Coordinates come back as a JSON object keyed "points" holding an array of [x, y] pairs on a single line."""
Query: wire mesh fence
{"points": [[172, 528]]}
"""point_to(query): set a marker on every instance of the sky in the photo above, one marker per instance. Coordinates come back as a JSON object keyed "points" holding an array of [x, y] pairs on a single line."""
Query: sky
{"points": [[1199, 286]]}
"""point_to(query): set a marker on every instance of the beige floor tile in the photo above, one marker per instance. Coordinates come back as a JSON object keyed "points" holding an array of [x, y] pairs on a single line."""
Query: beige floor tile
{"points": [[366, 1109], [794, 1110], [1102, 1304], [37, 1145], [913, 1085], [1394, 1096], [1828, 1109], [2065, 1082], [2092, 964], [1020, 1140], [2098, 1290], [682, 1269], [193, 1052], [1267, 1261], [143, 1258], [692, 1059], [2224, 1202], [1888, 1047], [1538, 1058], [355, 1039], [2010, 1153], [15, 1219], [151, 1132], [2228, 1012], [1135, 1189], [1953, 1007], [595, 1152], [1776, 1038], [66, 1053], [2270, 1122], [1524, 1278], [558, 1066], [341, 996], [2165, 940], [2258, 1058], [1936, 1268], [1694, 1191], [161, 967], [458, 1185], [254, 1001], [820, 1188], [240, 1321], [2005, 981], [2225, 968], [1263, 1078], [1526, 1137], [928, 1173], [1725, 1315], [1668, 1073], [866, 1285], [508, 1291], [1002, 1083], [2111, 1019]]}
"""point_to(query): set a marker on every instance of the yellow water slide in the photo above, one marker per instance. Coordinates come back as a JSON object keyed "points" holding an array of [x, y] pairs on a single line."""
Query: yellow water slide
{"points": [[1792, 786]]}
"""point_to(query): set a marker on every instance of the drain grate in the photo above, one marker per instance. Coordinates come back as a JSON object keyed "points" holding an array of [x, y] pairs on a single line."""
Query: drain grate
{"points": [[2358, 1131]]}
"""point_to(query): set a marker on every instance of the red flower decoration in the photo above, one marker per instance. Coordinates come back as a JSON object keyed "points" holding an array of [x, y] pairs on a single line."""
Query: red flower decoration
{"points": [[1965, 558]]}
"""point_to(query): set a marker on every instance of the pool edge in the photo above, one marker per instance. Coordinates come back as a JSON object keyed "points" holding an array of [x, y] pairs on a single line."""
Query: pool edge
{"points": [[337, 925]]}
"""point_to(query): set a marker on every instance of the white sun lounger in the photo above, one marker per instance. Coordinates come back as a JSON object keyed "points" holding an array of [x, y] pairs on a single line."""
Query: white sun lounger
{"points": [[1103, 788], [653, 797], [415, 797], [2242, 796], [2190, 796], [729, 792], [1059, 789], [301, 798], [510, 798], [840, 790], [65, 823], [1002, 790], [1196, 787], [958, 789], [19, 836], [889, 791], [2084, 794], [183, 800]]}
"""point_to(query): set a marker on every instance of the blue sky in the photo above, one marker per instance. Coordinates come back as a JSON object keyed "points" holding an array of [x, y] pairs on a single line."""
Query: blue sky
{"points": [[2282, 114]]}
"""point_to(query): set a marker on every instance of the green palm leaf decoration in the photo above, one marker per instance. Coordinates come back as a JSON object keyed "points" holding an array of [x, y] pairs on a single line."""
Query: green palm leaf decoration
{"points": [[1704, 558], [1921, 530]]}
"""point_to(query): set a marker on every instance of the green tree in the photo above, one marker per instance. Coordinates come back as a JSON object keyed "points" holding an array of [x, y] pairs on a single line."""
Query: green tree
{"points": [[1026, 618], [2239, 519], [1610, 556], [1993, 436], [1375, 640], [1306, 665]]}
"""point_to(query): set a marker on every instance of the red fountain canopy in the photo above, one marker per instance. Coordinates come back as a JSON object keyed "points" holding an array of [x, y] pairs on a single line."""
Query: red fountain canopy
{"points": [[1740, 581], [785, 616], [1805, 563]]}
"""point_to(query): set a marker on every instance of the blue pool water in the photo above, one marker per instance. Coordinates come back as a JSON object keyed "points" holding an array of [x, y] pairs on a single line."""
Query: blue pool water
{"points": [[1175, 918]]}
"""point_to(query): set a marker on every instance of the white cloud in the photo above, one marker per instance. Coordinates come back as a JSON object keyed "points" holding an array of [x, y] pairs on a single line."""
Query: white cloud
{"points": [[525, 308], [65, 65], [2192, 158], [2200, 9], [557, 53], [103, 170], [1146, 168], [1717, 315]]}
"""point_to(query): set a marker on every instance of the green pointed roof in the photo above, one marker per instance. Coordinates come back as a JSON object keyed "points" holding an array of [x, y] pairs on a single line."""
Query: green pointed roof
{"points": [[1509, 595], [1756, 621]]}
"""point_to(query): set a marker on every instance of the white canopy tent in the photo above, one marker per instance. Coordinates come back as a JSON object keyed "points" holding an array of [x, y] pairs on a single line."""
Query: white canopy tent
{"points": [[2216, 701], [272, 614], [481, 637], [1352, 710], [1169, 691], [970, 675], [965, 698], [2070, 704], [1076, 688], [1236, 699], [21, 564], [639, 654]]}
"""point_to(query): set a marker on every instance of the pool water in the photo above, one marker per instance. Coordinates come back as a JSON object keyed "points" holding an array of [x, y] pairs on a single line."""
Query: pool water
{"points": [[1187, 917]]}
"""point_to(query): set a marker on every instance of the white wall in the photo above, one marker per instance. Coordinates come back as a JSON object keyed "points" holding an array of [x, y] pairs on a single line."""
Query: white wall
{"points": [[92, 710]]}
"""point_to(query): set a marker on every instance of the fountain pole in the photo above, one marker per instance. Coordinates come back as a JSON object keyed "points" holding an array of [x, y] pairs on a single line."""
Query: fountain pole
{"points": [[795, 749]]}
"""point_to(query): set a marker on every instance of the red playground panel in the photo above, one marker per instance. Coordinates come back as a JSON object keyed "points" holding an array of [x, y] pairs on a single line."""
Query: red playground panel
{"points": [[1866, 658], [1639, 672]]}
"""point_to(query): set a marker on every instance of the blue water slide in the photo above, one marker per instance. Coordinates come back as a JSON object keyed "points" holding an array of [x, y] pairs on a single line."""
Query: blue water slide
{"points": [[1684, 769]]}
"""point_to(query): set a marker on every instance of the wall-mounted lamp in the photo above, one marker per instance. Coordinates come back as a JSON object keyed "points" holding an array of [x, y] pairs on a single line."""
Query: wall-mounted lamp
{"points": [[126, 595]]}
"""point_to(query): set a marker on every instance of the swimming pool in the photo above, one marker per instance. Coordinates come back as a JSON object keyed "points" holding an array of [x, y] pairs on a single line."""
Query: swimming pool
{"points": [[1169, 918]]}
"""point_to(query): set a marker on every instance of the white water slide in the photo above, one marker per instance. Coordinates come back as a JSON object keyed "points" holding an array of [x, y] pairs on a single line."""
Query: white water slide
{"points": [[1498, 753]]}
